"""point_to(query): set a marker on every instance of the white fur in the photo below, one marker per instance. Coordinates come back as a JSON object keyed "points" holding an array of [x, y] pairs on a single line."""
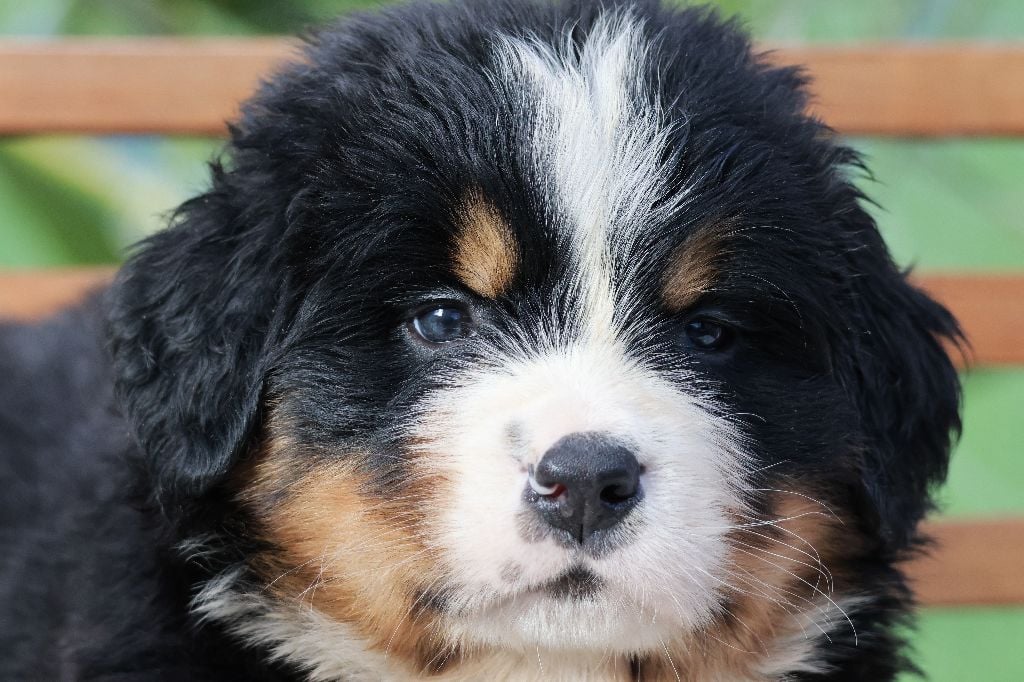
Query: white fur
{"points": [[331, 651], [327, 649], [595, 143], [664, 580], [535, 666], [800, 651]]}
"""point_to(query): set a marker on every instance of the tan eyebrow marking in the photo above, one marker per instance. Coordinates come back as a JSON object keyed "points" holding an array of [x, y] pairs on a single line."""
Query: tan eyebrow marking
{"points": [[692, 268], [486, 255]]}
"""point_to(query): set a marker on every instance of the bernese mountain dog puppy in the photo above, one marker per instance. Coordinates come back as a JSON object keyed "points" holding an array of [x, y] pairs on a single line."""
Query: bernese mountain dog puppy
{"points": [[512, 340]]}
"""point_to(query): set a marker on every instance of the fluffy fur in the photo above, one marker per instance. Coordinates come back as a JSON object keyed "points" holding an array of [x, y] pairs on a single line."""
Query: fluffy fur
{"points": [[247, 459]]}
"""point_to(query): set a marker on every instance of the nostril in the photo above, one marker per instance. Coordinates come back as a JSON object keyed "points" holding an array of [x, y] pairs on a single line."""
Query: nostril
{"points": [[557, 491], [618, 493], [549, 489]]}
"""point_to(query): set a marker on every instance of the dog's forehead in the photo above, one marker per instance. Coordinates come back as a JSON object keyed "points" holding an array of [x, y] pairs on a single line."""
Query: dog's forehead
{"points": [[594, 156]]}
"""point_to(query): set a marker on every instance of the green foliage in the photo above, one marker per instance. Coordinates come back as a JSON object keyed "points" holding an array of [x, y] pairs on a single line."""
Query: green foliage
{"points": [[949, 204], [986, 473], [169, 17], [46, 223], [971, 645]]}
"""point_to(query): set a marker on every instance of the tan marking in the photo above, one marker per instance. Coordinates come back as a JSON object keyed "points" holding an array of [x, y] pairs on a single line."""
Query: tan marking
{"points": [[692, 268], [340, 548], [486, 256], [781, 575]]}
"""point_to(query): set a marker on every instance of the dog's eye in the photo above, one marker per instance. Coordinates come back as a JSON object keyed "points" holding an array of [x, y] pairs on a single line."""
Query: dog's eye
{"points": [[442, 323], [708, 334]]}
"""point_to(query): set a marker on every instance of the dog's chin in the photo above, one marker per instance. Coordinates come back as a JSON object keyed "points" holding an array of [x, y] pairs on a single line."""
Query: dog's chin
{"points": [[572, 612]]}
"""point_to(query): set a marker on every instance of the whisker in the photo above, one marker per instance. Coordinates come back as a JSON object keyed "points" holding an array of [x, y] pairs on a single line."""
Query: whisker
{"points": [[781, 556], [423, 594], [815, 590], [797, 494]]}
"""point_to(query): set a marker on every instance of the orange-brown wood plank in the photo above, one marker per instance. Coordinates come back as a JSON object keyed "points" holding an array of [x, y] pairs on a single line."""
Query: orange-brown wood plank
{"points": [[937, 89], [990, 309], [975, 563], [161, 85], [152, 85], [31, 294]]}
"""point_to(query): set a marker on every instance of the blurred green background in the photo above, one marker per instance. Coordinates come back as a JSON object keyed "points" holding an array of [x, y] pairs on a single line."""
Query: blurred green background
{"points": [[945, 205]]}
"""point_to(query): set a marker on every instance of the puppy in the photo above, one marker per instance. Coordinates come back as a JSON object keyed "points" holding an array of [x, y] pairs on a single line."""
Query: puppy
{"points": [[511, 341]]}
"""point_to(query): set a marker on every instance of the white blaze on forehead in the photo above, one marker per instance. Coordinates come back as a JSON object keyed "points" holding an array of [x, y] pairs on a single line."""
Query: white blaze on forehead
{"points": [[596, 141]]}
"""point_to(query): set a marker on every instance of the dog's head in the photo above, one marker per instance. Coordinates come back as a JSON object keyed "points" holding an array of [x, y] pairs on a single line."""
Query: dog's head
{"points": [[529, 326]]}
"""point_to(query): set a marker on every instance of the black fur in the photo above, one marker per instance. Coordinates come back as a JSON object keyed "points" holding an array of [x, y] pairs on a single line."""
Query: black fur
{"points": [[286, 285]]}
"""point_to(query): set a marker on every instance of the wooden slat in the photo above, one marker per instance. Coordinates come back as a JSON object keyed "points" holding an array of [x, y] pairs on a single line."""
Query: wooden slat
{"points": [[990, 307], [975, 563], [160, 85], [31, 294], [155, 85], [937, 89]]}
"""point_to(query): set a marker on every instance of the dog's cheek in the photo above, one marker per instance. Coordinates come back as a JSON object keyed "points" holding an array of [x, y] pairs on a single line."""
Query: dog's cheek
{"points": [[695, 463], [336, 544], [788, 591]]}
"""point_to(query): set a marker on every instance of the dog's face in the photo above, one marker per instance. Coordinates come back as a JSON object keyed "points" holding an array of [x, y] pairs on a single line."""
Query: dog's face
{"points": [[568, 335]]}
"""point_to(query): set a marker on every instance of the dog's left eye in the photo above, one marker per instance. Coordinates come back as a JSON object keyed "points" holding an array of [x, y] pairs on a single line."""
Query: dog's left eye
{"points": [[442, 323], [708, 334]]}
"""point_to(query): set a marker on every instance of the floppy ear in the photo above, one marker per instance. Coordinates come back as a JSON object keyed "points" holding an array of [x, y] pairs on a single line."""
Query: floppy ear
{"points": [[190, 311], [905, 385]]}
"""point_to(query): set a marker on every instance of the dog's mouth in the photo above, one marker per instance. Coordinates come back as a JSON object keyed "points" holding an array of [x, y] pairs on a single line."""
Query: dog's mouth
{"points": [[576, 583], [576, 609]]}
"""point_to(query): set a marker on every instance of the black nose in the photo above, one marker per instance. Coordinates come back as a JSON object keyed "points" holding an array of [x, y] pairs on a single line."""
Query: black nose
{"points": [[585, 483]]}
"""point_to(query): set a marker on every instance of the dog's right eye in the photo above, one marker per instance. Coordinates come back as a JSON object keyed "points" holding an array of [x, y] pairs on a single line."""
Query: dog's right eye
{"points": [[442, 323]]}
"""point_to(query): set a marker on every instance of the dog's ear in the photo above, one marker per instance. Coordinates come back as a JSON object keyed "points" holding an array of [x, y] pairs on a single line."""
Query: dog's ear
{"points": [[905, 385], [189, 317]]}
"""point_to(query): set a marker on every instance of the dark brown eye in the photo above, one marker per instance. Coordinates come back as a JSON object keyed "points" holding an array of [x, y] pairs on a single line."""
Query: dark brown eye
{"points": [[707, 334], [442, 323]]}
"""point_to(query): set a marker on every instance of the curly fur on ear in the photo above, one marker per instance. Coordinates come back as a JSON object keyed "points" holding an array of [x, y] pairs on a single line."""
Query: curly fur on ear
{"points": [[196, 306], [905, 385], [189, 316]]}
